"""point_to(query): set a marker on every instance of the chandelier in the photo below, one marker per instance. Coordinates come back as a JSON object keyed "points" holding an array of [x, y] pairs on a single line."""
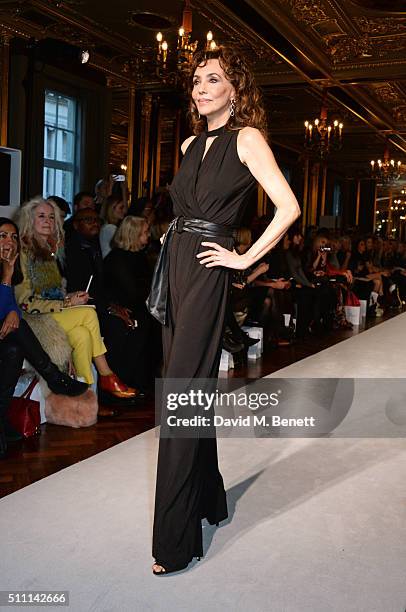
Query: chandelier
{"points": [[320, 136], [387, 170], [179, 58]]}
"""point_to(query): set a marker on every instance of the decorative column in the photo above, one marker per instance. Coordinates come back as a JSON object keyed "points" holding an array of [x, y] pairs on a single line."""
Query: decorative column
{"points": [[157, 147], [314, 193], [375, 203], [131, 139], [323, 189], [4, 86], [177, 143], [305, 193], [261, 203], [141, 147], [358, 203], [390, 204]]}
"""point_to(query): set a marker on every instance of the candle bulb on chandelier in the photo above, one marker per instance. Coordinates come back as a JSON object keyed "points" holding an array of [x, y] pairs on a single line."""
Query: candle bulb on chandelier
{"points": [[209, 37], [159, 39], [164, 47]]}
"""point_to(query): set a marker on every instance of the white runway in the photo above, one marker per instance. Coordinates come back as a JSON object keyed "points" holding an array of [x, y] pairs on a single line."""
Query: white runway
{"points": [[315, 525]]}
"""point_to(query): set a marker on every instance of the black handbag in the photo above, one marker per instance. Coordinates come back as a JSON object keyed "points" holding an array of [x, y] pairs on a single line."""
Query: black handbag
{"points": [[157, 301]]}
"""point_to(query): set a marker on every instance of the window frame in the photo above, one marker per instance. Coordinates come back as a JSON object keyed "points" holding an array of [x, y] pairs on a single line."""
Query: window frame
{"points": [[53, 164]]}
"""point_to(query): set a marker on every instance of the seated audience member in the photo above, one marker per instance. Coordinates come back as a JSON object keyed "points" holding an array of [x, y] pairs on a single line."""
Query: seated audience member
{"points": [[344, 252], [128, 276], [378, 252], [389, 254], [330, 281], [315, 303], [367, 285], [41, 291], [17, 340], [62, 205], [279, 297], [112, 214], [83, 260], [234, 338], [83, 199]]}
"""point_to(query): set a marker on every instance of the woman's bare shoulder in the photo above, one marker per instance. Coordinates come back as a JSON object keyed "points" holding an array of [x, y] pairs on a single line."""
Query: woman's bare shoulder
{"points": [[186, 143], [249, 140], [250, 135]]}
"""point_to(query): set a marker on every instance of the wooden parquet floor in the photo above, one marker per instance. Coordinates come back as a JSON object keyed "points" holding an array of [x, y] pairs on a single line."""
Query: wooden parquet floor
{"points": [[59, 447]]}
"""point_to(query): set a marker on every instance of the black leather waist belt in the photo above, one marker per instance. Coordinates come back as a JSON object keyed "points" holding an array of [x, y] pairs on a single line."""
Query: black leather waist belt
{"points": [[157, 302]]}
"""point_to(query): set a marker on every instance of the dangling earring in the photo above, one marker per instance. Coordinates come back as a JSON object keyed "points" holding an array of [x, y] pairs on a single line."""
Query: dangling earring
{"points": [[198, 114], [232, 107]]}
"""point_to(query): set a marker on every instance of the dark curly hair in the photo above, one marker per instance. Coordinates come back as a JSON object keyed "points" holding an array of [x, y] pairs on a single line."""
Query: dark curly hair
{"points": [[249, 110], [17, 275]]}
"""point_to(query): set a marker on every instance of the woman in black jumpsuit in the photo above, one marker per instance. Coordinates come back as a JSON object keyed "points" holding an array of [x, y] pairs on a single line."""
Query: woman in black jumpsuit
{"points": [[211, 187]]}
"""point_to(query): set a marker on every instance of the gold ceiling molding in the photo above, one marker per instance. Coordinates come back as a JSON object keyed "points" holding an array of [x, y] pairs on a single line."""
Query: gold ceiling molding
{"points": [[381, 27], [237, 36], [394, 97], [348, 48], [310, 12], [387, 92]]}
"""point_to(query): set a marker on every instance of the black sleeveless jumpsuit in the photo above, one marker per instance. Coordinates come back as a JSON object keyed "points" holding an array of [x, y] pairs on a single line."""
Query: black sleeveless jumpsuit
{"points": [[189, 485]]}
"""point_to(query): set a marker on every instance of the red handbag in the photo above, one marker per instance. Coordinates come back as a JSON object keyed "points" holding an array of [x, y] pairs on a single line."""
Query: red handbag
{"points": [[24, 413]]}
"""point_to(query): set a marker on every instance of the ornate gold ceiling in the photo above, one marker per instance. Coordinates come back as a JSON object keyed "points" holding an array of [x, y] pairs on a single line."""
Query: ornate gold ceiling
{"points": [[356, 48]]}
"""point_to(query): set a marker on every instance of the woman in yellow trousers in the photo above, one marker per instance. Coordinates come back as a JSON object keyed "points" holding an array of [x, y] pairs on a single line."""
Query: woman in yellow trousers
{"points": [[41, 292]]}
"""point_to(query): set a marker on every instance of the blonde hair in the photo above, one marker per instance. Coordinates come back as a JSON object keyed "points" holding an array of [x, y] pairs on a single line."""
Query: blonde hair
{"points": [[29, 242], [243, 237], [127, 237]]}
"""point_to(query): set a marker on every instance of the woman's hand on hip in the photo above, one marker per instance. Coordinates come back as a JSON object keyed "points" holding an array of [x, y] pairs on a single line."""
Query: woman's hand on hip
{"points": [[219, 256], [10, 324]]}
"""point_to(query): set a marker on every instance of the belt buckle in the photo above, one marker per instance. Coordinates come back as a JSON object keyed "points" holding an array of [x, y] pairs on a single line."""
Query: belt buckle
{"points": [[179, 224]]}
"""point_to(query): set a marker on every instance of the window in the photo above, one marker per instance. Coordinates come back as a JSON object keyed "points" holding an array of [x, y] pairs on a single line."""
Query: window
{"points": [[60, 144]]}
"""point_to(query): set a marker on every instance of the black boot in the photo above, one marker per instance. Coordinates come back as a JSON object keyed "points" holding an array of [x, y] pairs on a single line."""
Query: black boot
{"points": [[231, 345], [11, 361], [57, 381], [247, 340], [60, 383]]}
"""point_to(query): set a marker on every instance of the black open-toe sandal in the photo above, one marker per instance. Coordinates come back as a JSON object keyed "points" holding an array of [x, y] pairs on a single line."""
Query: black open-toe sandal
{"points": [[166, 571]]}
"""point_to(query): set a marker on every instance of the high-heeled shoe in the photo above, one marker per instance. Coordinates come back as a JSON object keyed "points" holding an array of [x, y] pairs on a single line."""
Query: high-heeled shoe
{"points": [[230, 344], [246, 339], [171, 570], [110, 383]]}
